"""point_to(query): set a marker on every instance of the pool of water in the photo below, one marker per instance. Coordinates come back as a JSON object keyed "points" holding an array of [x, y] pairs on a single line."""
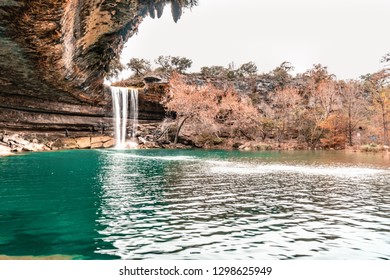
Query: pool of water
{"points": [[170, 204]]}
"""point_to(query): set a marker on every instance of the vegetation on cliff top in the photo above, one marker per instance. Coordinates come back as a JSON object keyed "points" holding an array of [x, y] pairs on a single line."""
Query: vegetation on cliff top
{"points": [[307, 110]]}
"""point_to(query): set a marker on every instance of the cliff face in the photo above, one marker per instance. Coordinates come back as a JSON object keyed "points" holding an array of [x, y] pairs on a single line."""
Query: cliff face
{"points": [[54, 55]]}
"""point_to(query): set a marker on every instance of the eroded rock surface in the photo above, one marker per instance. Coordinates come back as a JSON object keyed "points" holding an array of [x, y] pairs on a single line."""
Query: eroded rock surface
{"points": [[55, 54]]}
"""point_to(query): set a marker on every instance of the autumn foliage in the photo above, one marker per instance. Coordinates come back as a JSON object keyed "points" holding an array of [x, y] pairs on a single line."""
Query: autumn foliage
{"points": [[211, 112], [310, 110]]}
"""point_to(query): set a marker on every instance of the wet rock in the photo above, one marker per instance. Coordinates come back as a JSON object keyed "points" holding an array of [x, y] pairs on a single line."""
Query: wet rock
{"points": [[237, 145], [182, 146]]}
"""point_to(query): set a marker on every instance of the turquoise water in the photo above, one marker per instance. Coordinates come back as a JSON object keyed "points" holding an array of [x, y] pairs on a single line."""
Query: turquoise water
{"points": [[170, 204]]}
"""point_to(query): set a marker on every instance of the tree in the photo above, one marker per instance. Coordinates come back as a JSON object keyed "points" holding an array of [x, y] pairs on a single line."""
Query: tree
{"points": [[319, 74], [333, 131], [211, 108], [378, 85], [287, 106], [241, 116], [139, 65], [354, 107], [115, 68], [247, 69], [281, 75], [191, 103], [168, 64], [164, 63], [181, 64], [213, 71], [323, 100]]}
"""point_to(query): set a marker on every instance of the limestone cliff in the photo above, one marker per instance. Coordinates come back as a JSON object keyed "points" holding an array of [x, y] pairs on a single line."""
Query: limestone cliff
{"points": [[54, 55]]}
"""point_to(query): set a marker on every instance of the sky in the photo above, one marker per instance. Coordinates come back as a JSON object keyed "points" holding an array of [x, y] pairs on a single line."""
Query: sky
{"points": [[348, 36]]}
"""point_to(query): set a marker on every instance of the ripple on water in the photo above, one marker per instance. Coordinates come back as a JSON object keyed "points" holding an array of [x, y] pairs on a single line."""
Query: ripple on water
{"points": [[223, 209], [155, 205]]}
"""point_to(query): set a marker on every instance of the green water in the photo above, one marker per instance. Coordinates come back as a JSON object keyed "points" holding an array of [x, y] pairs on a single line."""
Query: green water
{"points": [[168, 204]]}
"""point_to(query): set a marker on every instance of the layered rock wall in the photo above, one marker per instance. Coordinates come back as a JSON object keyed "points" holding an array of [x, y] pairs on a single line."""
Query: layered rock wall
{"points": [[55, 54]]}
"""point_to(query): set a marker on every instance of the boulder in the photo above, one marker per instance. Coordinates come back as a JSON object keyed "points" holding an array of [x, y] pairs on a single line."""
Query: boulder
{"points": [[100, 139], [83, 142], [109, 144], [64, 143], [5, 151], [33, 147], [97, 145]]}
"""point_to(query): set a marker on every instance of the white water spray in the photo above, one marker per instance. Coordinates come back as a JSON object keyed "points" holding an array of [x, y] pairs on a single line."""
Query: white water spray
{"points": [[134, 112], [120, 101]]}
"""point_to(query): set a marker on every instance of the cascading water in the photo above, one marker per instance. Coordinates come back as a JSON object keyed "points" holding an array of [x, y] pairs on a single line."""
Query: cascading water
{"points": [[120, 101], [134, 112]]}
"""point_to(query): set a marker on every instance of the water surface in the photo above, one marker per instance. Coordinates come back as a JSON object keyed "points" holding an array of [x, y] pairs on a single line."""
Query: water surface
{"points": [[168, 204]]}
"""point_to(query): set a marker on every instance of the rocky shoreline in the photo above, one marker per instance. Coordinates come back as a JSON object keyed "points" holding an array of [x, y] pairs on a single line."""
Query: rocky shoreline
{"points": [[156, 135], [14, 143]]}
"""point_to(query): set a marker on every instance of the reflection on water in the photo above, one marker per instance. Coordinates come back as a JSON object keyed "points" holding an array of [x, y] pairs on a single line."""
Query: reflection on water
{"points": [[218, 205], [158, 204]]}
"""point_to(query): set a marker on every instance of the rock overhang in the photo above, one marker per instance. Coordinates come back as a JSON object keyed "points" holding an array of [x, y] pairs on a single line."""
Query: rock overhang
{"points": [[55, 54]]}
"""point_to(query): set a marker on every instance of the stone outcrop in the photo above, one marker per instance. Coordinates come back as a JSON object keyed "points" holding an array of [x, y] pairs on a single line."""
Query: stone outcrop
{"points": [[95, 142], [16, 143], [151, 90], [5, 150], [55, 54]]}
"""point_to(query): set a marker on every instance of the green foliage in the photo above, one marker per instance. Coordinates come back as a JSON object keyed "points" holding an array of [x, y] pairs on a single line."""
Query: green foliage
{"points": [[281, 74], [115, 68], [312, 108], [319, 74], [213, 71], [248, 69], [181, 64], [139, 66], [168, 64]]}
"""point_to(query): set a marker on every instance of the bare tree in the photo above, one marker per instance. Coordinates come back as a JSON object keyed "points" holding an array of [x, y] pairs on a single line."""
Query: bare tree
{"points": [[355, 107], [210, 108], [323, 100], [191, 103], [286, 104], [378, 85]]}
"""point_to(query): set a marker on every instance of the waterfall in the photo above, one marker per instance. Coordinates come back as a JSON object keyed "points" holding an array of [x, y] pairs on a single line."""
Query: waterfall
{"points": [[120, 101], [134, 111]]}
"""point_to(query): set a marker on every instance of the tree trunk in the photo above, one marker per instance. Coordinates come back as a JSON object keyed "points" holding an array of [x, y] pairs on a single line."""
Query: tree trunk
{"points": [[179, 128], [385, 130], [350, 133], [384, 123]]}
